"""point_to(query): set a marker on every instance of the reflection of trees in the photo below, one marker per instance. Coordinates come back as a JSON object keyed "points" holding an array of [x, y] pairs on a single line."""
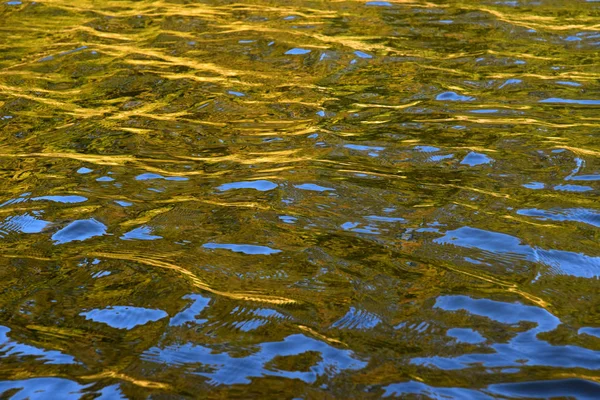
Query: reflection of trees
{"points": [[151, 94]]}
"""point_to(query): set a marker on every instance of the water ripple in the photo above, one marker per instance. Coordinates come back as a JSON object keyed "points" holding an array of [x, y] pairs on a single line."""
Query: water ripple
{"points": [[325, 199]]}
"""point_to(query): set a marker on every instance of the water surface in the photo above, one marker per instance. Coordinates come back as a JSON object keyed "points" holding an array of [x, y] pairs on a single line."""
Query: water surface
{"points": [[300, 199]]}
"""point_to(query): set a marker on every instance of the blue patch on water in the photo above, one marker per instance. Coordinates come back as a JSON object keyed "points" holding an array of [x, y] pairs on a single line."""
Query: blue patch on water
{"points": [[583, 215], [189, 313], [534, 185], [260, 185], [363, 148], [273, 139], [79, 231], [379, 3], [509, 248], [465, 335], [100, 274], [288, 219], [242, 248], [225, 369], [24, 223], [12, 348], [151, 176], [453, 96], [473, 261], [428, 230], [357, 319], [592, 177], [47, 58], [384, 219], [44, 388], [148, 176], [566, 388], [484, 240], [64, 53], [510, 82], [297, 51], [141, 233], [258, 317], [124, 317], [573, 188], [112, 392], [313, 187], [362, 55], [568, 83], [105, 179], [589, 331], [62, 199], [556, 100], [238, 94], [472, 159], [354, 227], [349, 225], [523, 349], [484, 111], [123, 203], [84, 170], [440, 158], [320, 113], [426, 149]]}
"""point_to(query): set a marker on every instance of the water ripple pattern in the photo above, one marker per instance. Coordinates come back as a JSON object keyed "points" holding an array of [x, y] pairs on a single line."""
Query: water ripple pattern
{"points": [[308, 199]]}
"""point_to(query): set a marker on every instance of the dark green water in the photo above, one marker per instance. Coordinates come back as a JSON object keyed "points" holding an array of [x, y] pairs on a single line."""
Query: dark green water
{"points": [[299, 199]]}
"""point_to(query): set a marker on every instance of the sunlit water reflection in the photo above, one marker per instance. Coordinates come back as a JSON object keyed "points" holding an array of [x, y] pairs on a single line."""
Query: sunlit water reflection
{"points": [[300, 199]]}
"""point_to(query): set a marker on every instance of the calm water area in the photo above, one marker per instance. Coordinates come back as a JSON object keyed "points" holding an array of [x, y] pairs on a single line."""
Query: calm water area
{"points": [[300, 199]]}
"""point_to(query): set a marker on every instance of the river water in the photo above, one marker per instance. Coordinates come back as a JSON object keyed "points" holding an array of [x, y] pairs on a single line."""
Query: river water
{"points": [[299, 199]]}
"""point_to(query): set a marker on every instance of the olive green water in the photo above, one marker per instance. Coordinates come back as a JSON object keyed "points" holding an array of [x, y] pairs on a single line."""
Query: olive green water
{"points": [[299, 199]]}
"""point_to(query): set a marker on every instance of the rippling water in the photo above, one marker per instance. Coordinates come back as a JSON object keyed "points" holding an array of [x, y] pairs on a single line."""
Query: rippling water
{"points": [[300, 199]]}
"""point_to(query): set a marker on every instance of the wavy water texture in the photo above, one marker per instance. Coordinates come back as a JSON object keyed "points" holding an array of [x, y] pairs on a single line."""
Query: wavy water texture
{"points": [[308, 199]]}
